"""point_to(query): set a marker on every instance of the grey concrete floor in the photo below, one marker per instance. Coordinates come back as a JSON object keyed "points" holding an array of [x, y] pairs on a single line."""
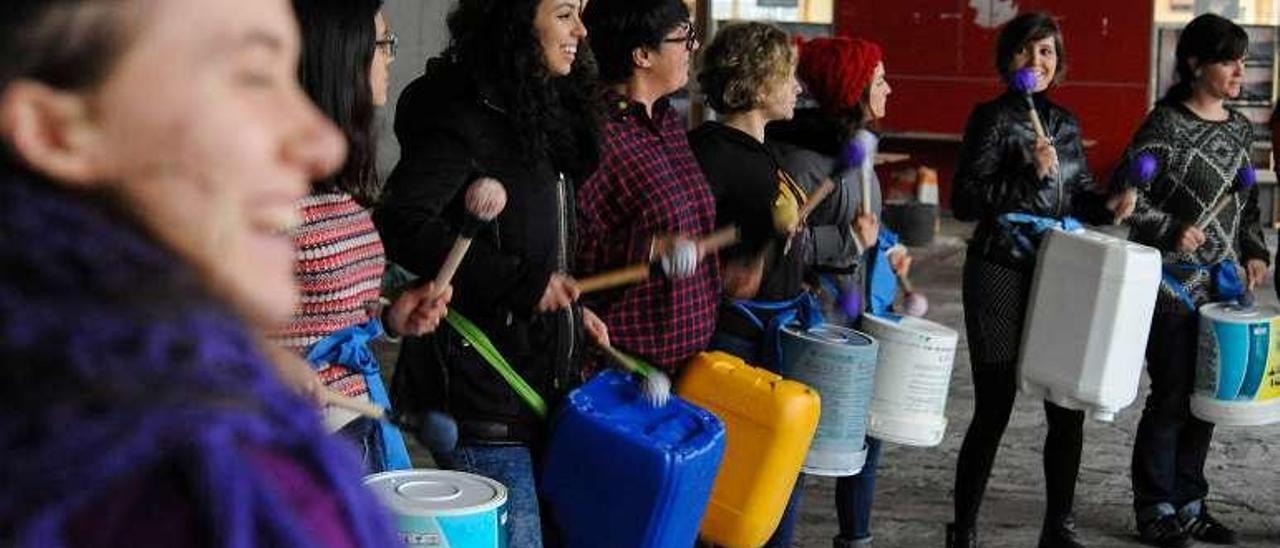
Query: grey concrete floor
{"points": [[913, 497]]}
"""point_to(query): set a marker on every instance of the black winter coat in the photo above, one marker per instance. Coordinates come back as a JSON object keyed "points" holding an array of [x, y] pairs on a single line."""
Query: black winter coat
{"points": [[997, 175], [451, 131]]}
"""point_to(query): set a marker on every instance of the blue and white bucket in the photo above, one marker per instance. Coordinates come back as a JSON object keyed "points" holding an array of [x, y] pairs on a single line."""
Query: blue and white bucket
{"points": [[1238, 365], [443, 508], [840, 364]]}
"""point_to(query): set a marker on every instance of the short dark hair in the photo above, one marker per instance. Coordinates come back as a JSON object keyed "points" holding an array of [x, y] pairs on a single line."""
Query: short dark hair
{"points": [[1022, 30], [1208, 39], [337, 53], [615, 28], [67, 44]]}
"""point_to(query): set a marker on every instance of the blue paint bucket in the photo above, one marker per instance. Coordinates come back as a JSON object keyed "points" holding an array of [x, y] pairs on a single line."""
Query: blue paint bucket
{"points": [[840, 364], [1238, 365], [443, 508]]}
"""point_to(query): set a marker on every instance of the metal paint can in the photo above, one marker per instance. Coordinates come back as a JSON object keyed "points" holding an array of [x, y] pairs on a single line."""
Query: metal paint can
{"points": [[443, 508]]}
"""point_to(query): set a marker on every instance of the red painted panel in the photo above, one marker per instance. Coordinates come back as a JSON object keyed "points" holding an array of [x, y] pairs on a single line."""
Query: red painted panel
{"points": [[941, 66]]}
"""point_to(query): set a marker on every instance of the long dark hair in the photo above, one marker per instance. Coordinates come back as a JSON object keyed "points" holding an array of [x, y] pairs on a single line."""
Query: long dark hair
{"points": [[1208, 39], [337, 52], [496, 42]]}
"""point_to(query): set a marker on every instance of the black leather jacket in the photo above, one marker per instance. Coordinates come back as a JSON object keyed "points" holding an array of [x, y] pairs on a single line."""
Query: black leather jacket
{"points": [[996, 174]]}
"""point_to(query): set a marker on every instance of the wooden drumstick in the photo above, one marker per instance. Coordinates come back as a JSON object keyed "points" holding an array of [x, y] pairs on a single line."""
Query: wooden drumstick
{"points": [[290, 365], [1246, 177], [486, 198], [639, 272], [356, 405], [816, 198]]}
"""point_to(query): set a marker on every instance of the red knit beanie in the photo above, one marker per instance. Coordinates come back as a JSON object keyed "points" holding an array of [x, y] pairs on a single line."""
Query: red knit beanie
{"points": [[836, 71]]}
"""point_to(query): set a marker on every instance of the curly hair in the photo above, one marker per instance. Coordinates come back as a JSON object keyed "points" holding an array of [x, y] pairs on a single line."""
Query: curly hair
{"points": [[497, 42], [742, 61]]}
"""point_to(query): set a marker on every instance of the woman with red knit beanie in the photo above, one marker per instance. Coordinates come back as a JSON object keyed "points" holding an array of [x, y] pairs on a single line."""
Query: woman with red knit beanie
{"points": [[846, 78]]}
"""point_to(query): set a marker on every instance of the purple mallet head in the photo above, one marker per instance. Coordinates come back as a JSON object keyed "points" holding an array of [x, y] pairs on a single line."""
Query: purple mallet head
{"points": [[851, 304], [1143, 169], [1024, 80], [1246, 178], [854, 154]]}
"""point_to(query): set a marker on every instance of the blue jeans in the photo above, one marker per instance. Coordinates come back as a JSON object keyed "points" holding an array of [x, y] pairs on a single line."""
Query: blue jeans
{"points": [[854, 496], [1171, 445], [365, 435], [512, 466]]}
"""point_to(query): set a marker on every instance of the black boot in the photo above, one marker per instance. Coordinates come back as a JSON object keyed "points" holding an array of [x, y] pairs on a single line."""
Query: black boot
{"points": [[1060, 533], [961, 537]]}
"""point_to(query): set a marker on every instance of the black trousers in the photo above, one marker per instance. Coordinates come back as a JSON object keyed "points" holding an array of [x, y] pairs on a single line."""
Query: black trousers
{"points": [[995, 387], [1172, 444], [995, 301]]}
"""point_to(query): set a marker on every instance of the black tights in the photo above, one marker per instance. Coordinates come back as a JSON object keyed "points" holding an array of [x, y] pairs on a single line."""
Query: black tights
{"points": [[995, 387]]}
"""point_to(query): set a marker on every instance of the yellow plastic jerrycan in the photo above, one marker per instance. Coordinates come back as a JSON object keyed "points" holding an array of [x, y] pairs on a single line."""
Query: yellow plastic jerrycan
{"points": [[769, 422]]}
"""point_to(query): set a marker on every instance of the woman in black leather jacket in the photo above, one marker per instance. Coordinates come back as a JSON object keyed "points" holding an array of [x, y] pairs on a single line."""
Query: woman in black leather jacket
{"points": [[1005, 168]]}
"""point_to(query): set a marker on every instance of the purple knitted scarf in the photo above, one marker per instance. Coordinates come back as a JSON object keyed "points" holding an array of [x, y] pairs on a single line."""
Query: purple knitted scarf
{"points": [[114, 363]]}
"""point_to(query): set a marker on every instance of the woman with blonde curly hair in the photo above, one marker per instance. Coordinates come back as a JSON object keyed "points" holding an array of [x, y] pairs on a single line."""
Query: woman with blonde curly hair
{"points": [[748, 75]]}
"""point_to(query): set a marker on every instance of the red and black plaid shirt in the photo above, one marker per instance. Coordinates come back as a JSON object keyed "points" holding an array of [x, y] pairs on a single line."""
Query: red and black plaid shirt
{"points": [[648, 184]]}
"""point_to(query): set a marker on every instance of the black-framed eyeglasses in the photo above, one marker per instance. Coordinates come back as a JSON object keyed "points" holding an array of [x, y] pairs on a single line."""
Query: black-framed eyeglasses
{"points": [[690, 38], [389, 45]]}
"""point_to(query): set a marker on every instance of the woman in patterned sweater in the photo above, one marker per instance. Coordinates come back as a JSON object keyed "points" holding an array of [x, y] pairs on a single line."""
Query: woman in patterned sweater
{"points": [[1201, 146], [347, 48]]}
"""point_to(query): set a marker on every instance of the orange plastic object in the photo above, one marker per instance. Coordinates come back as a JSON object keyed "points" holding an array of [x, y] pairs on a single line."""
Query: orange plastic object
{"points": [[769, 423]]}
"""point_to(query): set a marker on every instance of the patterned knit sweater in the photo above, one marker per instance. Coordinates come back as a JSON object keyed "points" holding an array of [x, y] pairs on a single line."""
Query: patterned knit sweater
{"points": [[339, 274], [1198, 163]]}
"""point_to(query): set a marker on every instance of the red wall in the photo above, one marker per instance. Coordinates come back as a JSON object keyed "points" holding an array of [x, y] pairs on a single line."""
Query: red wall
{"points": [[941, 63]]}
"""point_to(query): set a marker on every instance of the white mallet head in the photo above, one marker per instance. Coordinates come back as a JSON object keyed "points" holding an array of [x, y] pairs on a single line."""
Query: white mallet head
{"points": [[486, 198]]}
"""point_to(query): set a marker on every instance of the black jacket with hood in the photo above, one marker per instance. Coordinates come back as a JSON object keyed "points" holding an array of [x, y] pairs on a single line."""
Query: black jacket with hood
{"points": [[453, 130]]}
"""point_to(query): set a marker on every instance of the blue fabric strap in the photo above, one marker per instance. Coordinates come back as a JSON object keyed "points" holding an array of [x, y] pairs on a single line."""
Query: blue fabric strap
{"points": [[349, 348], [803, 308], [882, 283], [1027, 229], [1225, 277]]}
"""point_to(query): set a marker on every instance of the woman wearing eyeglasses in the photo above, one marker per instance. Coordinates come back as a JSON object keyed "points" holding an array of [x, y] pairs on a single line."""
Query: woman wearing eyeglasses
{"points": [[649, 185], [347, 48]]}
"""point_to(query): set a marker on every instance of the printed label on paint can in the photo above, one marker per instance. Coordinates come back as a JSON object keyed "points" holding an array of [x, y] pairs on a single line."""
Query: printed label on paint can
{"points": [[442, 508]]}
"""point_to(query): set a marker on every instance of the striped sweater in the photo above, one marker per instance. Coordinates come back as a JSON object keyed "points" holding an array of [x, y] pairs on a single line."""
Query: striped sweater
{"points": [[339, 273]]}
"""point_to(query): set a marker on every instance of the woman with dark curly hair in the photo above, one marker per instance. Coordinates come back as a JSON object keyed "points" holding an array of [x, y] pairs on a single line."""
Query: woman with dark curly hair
{"points": [[1006, 167], [509, 99], [748, 76]]}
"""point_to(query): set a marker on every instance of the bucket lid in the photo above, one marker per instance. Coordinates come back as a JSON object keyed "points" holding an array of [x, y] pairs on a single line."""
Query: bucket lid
{"points": [[830, 334], [910, 324], [436, 492], [1234, 313]]}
